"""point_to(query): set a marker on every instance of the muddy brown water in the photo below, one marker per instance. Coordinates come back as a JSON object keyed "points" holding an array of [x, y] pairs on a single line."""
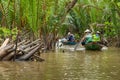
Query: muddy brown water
{"points": [[83, 65]]}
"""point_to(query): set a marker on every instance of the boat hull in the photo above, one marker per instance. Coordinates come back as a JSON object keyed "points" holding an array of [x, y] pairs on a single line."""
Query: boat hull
{"points": [[93, 46], [69, 43]]}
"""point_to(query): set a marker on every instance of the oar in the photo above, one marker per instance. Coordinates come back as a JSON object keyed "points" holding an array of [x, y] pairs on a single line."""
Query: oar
{"points": [[77, 46]]}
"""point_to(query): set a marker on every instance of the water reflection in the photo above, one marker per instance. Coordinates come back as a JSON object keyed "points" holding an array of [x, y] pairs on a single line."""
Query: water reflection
{"points": [[88, 65]]}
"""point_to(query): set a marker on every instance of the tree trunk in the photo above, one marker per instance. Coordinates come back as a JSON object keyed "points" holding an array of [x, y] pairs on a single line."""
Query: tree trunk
{"points": [[67, 9]]}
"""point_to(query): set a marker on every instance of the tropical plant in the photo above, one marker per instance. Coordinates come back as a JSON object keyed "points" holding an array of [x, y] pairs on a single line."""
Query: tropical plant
{"points": [[53, 18]]}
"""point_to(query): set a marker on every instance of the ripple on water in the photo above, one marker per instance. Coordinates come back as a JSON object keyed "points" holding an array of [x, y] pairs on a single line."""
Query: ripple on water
{"points": [[88, 65]]}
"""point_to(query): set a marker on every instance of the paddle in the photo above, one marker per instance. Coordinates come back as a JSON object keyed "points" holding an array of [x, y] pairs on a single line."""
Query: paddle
{"points": [[79, 43], [77, 46]]}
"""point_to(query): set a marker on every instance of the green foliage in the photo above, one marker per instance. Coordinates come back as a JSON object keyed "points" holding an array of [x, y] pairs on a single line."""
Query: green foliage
{"points": [[77, 36], [45, 16], [87, 12], [109, 30], [0, 16], [5, 32], [8, 12]]}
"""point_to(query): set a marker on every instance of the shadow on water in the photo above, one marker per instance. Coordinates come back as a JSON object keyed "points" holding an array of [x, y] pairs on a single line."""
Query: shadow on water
{"points": [[83, 65]]}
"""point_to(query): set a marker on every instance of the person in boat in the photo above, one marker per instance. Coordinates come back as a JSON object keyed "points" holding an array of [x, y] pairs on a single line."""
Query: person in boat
{"points": [[96, 37], [87, 38], [103, 40], [70, 37]]}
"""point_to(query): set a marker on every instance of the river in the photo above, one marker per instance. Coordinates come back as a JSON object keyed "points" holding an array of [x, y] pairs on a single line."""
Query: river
{"points": [[83, 65]]}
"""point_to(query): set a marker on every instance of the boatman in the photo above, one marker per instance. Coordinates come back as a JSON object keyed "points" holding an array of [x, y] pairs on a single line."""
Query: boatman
{"points": [[87, 38]]}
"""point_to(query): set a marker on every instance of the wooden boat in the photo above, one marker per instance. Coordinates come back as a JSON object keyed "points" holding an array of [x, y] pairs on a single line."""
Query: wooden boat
{"points": [[71, 46], [60, 45], [93, 46], [69, 43]]}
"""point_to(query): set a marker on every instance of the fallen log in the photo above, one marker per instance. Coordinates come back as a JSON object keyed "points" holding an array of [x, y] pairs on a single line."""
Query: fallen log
{"points": [[10, 52], [27, 42], [26, 56], [4, 43], [22, 42], [19, 44], [4, 51], [27, 50], [7, 52], [19, 52], [32, 43], [9, 56]]}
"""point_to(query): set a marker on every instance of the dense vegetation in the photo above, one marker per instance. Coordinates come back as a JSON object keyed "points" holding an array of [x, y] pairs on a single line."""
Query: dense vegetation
{"points": [[51, 19]]}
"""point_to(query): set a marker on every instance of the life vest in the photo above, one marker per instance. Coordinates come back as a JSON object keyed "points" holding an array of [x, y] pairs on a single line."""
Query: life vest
{"points": [[95, 37]]}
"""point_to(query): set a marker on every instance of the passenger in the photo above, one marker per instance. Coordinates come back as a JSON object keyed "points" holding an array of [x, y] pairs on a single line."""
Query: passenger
{"points": [[87, 38], [70, 37], [96, 37]]}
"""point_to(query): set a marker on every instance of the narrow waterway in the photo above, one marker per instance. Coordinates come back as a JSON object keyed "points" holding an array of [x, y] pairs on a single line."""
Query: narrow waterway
{"points": [[84, 65]]}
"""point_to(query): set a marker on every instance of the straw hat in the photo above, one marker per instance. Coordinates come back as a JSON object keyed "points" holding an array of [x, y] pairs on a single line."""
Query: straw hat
{"points": [[98, 32], [87, 30], [69, 33]]}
